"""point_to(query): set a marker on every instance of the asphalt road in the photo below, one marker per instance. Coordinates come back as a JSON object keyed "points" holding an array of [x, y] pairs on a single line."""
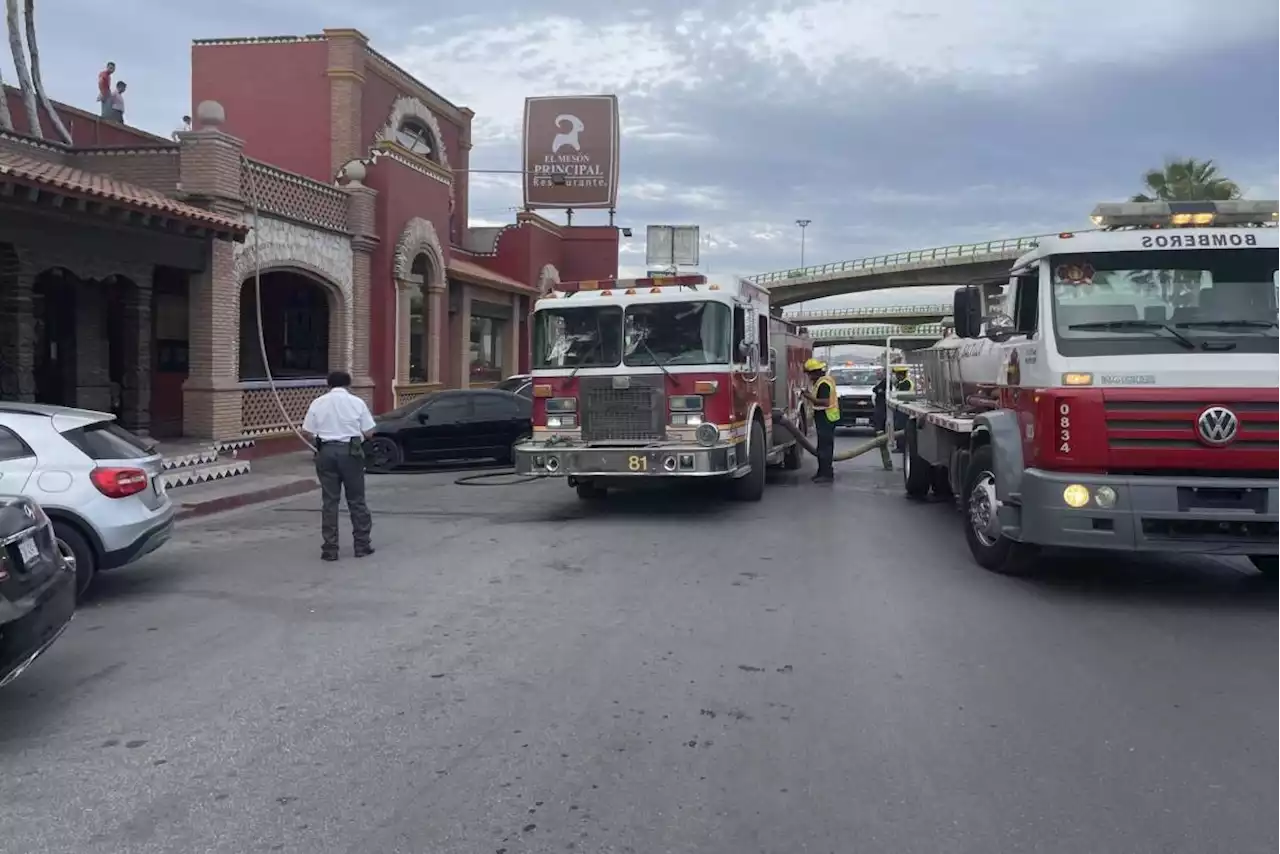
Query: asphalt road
{"points": [[513, 672]]}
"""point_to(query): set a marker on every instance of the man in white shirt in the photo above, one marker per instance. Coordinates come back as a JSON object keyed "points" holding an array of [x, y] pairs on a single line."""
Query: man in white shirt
{"points": [[338, 423]]}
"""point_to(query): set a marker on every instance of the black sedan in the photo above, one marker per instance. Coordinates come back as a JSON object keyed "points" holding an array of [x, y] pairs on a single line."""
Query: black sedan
{"points": [[461, 424], [37, 587]]}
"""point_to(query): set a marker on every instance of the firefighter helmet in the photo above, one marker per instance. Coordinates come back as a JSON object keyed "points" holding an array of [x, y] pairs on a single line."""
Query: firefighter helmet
{"points": [[812, 365]]}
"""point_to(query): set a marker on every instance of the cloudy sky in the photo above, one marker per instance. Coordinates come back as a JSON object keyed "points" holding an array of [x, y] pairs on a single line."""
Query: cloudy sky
{"points": [[891, 124]]}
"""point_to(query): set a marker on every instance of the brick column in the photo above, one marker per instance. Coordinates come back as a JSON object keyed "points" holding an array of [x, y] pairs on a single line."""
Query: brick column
{"points": [[437, 327], [347, 50], [135, 386], [210, 165], [464, 337], [364, 240], [93, 380], [17, 329]]}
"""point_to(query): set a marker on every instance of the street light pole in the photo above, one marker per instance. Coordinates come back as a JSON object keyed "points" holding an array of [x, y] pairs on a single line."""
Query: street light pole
{"points": [[803, 223]]}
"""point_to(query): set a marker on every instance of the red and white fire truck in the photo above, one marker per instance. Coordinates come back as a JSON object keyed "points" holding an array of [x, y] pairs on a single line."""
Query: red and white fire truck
{"points": [[1124, 397], [670, 377]]}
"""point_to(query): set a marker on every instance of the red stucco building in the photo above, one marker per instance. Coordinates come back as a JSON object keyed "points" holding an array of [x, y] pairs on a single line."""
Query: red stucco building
{"points": [[448, 305]]}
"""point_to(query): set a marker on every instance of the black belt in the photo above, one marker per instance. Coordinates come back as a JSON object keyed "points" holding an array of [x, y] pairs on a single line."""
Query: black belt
{"points": [[336, 441]]}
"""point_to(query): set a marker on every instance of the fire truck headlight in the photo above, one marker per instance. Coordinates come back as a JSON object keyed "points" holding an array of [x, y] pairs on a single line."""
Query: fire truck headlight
{"points": [[1104, 497], [707, 434], [686, 419], [1075, 495], [686, 403], [562, 404], [561, 422]]}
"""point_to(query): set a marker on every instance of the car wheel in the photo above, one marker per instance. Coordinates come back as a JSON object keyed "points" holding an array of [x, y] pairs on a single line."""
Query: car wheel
{"points": [[383, 454], [78, 554]]}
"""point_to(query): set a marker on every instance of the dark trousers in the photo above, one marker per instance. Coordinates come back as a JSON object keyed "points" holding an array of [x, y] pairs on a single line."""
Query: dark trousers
{"points": [[339, 471], [826, 446]]}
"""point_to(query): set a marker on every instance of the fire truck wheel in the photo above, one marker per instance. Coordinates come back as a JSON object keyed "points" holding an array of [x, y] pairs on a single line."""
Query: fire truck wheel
{"points": [[989, 547], [750, 487], [1266, 564], [588, 491], [917, 473]]}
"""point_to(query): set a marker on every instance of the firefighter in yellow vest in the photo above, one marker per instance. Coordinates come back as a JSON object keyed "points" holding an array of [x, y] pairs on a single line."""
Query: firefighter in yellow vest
{"points": [[826, 415]]}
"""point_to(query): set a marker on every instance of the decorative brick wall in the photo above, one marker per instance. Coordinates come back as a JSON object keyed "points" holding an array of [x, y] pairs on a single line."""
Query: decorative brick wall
{"points": [[291, 196]]}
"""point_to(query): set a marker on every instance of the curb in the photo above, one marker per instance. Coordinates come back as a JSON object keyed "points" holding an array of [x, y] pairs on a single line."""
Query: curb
{"points": [[257, 496]]}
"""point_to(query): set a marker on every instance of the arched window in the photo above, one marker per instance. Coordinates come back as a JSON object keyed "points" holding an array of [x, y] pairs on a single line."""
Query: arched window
{"points": [[416, 138]]}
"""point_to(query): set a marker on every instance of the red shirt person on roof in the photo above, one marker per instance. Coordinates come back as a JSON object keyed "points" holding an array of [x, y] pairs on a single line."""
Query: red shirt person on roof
{"points": [[104, 89]]}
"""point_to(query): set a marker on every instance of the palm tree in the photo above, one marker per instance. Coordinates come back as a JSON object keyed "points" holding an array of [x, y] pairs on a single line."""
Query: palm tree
{"points": [[1188, 180], [54, 118], [20, 66]]}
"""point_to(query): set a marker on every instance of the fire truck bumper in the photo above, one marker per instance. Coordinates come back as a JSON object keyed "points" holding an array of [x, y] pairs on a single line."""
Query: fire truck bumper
{"points": [[666, 461], [1218, 515]]}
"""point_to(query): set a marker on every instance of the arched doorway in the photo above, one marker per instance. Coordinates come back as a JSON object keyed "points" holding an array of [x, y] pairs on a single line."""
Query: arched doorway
{"points": [[419, 355], [296, 311]]}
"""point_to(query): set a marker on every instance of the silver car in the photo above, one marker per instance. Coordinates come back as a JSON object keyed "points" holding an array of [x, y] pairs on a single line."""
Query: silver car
{"points": [[101, 485]]}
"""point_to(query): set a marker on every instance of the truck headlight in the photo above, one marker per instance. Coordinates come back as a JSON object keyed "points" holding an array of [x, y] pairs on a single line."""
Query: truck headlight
{"points": [[562, 422], [686, 419], [707, 434], [1075, 495], [562, 405], [1104, 497]]}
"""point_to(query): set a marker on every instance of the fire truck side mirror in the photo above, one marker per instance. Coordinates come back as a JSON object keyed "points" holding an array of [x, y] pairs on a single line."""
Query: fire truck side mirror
{"points": [[967, 311]]}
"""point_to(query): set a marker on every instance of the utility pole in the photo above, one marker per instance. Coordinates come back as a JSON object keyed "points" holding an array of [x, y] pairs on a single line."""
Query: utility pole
{"points": [[803, 223]]}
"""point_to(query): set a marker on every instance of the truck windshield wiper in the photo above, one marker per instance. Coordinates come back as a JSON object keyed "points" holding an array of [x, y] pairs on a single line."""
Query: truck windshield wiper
{"points": [[586, 357], [652, 355], [1226, 324], [1134, 326]]}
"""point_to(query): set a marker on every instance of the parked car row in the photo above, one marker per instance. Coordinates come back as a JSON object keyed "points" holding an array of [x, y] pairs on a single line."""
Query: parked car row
{"points": [[79, 494]]}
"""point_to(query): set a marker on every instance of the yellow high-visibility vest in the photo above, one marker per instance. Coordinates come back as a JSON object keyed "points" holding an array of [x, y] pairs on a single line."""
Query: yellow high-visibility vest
{"points": [[833, 402]]}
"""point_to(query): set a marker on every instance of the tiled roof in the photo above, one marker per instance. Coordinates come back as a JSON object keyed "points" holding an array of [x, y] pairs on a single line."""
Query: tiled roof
{"points": [[470, 270], [77, 182]]}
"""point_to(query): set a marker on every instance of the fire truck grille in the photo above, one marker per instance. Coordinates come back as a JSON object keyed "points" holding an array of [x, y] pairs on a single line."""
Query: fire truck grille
{"points": [[623, 415], [1171, 425]]}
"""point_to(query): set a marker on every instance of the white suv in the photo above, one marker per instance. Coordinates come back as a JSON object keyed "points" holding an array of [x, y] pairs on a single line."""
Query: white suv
{"points": [[102, 486]]}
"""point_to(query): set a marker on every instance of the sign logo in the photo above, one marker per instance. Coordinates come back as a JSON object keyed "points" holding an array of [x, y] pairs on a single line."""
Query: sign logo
{"points": [[571, 152], [569, 139], [1218, 426]]}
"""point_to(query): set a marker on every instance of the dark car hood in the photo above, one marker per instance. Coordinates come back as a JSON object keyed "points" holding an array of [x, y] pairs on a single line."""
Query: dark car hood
{"points": [[17, 514]]}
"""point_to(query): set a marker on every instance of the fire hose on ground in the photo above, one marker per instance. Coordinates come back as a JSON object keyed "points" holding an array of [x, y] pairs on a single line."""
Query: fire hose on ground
{"points": [[858, 450]]}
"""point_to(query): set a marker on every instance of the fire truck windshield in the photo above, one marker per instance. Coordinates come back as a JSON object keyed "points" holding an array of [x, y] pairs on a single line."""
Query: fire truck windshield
{"points": [[578, 337], [678, 333], [1160, 302]]}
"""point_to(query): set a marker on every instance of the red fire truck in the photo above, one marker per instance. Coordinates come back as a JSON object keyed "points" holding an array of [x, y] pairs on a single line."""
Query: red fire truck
{"points": [[662, 378]]}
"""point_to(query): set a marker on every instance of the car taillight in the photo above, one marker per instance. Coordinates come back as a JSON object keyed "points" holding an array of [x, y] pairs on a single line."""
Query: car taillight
{"points": [[118, 483]]}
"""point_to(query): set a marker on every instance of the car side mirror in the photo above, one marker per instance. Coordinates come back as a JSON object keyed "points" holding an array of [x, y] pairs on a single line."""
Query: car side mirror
{"points": [[423, 417]]}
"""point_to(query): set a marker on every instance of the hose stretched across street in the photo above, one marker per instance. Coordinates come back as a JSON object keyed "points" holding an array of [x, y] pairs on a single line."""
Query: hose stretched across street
{"points": [[803, 441]]}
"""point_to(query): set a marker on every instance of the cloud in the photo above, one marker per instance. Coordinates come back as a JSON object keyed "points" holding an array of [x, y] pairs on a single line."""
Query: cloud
{"points": [[890, 124]]}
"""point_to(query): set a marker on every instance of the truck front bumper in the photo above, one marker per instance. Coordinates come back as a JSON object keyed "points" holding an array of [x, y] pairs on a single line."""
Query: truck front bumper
{"points": [[1219, 515], [538, 459]]}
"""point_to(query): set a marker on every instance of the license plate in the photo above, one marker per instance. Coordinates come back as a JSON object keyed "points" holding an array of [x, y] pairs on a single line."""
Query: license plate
{"points": [[27, 548]]}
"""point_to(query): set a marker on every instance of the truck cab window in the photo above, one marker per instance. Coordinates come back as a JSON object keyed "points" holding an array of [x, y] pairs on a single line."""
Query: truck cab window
{"points": [[763, 338], [739, 332], [1026, 303]]}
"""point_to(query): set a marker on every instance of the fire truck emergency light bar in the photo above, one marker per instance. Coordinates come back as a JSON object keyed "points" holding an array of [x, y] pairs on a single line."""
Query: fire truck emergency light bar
{"points": [[1160, 214], [606, 287]]}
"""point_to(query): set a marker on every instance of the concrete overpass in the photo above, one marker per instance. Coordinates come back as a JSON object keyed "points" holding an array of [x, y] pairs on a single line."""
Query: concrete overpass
{"points": [[944, 265], [903, 314], [904, 337]]}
